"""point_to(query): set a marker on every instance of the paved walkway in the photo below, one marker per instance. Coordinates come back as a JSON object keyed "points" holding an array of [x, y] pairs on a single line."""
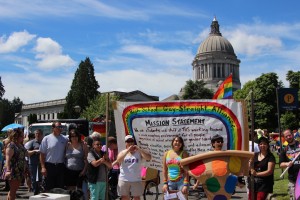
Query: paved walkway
{"points": [[22, 193], [193, 195]]}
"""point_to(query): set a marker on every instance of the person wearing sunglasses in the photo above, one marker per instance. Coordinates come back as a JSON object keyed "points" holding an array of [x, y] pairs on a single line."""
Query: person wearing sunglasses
{"points": [[98, 165], [217, 145], [217, 142], [130, 160]]}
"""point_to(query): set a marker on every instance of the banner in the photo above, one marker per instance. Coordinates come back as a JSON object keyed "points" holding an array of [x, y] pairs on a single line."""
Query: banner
{"points": [[288, 98], [155, 124]]}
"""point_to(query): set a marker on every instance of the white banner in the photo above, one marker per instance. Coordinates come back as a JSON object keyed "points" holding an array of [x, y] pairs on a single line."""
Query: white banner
{"points": [[155, 124]]}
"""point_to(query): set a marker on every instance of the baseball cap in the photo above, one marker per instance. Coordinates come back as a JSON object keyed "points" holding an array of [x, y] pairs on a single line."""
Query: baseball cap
{"points": [[127, 137]]}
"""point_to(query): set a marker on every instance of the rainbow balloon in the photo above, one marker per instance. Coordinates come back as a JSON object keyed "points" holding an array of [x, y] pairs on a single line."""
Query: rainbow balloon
{"points": [[181, 109]]}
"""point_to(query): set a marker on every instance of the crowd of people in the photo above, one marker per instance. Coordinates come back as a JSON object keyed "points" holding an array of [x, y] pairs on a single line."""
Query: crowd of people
{"points": [[68, 162]]}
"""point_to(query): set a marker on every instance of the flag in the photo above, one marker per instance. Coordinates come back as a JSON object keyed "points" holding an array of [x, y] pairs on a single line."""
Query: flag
{"points": [[225, 89]]}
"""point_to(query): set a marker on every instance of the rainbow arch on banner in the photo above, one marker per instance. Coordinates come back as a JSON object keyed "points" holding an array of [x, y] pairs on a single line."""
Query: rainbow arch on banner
{"points": [[181, 109]]}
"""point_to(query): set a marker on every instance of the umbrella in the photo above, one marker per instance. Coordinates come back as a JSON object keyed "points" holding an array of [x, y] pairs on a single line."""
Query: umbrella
{"points": [[12, 126]]}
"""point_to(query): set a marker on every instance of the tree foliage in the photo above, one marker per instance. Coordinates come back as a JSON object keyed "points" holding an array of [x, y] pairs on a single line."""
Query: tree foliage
{"points": [[293, 78], [8, 109], [32, 118], [84, 88], [288, 121], [264, 92], [97, 107], [196, 90], [2, 90], [291, 119]]}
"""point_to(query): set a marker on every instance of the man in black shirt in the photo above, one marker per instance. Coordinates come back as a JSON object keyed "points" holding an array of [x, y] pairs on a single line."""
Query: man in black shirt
{"points": [[286, 160]]}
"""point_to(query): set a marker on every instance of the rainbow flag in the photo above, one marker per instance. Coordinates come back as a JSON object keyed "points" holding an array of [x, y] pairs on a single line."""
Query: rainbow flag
{"points": [[225, 89]]}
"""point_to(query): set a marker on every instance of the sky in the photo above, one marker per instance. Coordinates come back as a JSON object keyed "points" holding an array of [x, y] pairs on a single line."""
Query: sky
{"points": [[137, 44]]}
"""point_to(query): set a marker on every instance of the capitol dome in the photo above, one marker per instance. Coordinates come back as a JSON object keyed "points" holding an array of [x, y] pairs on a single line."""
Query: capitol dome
{"points": [[215, 42], [215, 60]]}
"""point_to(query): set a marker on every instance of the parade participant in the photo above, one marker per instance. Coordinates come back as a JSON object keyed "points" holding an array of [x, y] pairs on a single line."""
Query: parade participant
{"points": [[286, 160], [217, 145], [32, 147], [130, 160], [52, 157], [76, 160], [97, 169], [6, 141], [175, 178], [113, 174], [262, 168], [15, 162]]}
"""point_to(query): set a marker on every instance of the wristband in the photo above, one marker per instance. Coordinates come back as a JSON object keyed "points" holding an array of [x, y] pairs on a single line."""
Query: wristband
{"points": [[186, 184]]}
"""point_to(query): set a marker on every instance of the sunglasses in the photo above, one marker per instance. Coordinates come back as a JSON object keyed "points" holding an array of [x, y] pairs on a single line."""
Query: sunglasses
{"points": [[98, 144], [218, 141], [129, 141]]}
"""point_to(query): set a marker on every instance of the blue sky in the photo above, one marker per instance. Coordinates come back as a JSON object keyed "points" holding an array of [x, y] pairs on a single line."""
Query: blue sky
{"points": [[137, 44]]}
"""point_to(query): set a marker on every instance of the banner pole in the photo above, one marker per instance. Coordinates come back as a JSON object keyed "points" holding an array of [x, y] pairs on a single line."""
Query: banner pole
{"points": [[252, 148], [106, 136]]}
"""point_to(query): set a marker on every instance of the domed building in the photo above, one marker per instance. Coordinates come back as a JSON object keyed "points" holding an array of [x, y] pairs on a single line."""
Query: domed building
{"points": [[216, 60]]}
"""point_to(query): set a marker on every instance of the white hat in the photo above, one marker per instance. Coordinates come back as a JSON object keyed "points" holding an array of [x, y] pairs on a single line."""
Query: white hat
{"points": [[127, 137]]}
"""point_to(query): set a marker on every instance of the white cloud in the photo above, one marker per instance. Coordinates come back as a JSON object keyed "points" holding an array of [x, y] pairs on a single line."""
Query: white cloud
{"points": [[160, 84], [49, 55], [15, 41], [253, 44], [169, 58], [36, 87]]}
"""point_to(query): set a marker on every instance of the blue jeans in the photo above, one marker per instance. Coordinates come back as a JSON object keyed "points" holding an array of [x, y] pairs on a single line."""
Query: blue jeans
{"points": [[34, 171]]}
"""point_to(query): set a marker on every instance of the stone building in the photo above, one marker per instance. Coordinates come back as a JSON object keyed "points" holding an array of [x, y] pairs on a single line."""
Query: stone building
{"points": [[215, 60], [48, 110]]}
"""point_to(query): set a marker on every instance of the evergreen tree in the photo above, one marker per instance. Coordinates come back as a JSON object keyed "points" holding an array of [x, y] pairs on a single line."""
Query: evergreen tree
{"points": [[196, 90], [7, 113], [2, 90], [83, 89]]}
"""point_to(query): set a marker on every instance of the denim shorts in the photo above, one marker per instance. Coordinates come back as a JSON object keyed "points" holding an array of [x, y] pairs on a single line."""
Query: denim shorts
{"points": [[178, 185]]}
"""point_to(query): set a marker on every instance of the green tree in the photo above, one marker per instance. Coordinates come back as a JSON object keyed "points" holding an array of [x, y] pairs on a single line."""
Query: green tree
{"points": [[83, 89], [32, 118], [2, 90], [17, 104], [293, 78], [294, 82], [97, 107], [264, 92], [8, 112], [196, 90], [265, 100], [287, 121], [245, 91]]}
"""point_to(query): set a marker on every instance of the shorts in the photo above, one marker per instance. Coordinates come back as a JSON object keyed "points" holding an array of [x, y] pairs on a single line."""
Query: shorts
{"points": [[127, 188], [178, 185]]}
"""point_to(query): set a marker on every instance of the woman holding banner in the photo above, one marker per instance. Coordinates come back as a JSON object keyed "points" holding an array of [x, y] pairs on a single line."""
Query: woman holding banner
{"points": [[263, 170], [175, 178]]}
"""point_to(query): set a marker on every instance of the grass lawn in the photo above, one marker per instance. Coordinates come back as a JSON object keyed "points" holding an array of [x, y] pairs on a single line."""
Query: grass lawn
{"points": [[280, 191]]}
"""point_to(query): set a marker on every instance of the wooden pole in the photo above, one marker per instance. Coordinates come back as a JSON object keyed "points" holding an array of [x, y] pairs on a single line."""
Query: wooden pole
{"points": [[106, 136], [252, 136]]}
